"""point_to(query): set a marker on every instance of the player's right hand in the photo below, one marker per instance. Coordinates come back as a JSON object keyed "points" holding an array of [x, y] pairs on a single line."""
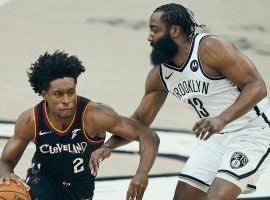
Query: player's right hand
{"points": [[98, 156], [6, 178]]}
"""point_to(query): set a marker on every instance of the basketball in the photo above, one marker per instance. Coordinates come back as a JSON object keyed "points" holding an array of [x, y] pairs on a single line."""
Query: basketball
{"points": [[13, 192]]}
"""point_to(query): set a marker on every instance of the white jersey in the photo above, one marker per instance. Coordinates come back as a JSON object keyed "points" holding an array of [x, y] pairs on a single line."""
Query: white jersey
{"points": [[208, 96]]}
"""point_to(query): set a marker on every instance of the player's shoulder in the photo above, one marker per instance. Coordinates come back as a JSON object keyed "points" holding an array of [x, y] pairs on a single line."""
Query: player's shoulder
{"points": [[154, 73], [97, 108], [25, 124], [26, 117], [215, 50], [153, 81], [99, 116], [214, 43]]}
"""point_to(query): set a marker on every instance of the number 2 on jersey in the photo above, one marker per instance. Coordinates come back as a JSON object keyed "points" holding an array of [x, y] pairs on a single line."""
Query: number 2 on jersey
{"points": [[198, 106], [78, 165]]}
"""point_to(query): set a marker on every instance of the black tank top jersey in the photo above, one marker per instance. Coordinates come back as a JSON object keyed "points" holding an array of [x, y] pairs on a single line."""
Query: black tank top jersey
{"points": [[64, 154]]}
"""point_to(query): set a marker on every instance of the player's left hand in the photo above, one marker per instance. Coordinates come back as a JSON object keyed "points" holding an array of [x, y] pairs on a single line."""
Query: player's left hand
{"points": [[137, 186], [207, 127]]}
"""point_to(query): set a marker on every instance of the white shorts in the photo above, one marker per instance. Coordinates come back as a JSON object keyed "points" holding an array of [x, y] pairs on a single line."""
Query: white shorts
{"points": [[239, 157]]}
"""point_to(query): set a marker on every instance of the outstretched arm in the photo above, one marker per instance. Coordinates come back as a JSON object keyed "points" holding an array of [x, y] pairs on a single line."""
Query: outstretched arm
{"points": [[154, 97], [101, 118], [152, 101], [23, 134]]}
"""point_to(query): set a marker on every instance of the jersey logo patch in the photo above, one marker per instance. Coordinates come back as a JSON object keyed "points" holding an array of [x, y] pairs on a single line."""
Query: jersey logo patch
{"points": [[44, 133], [74, 133], [167, 77], [238, 160], [194, 65]]}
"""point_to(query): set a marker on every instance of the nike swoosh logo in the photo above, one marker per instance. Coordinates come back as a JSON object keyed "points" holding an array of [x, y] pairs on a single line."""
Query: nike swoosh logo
{"points": [[44, 133], [167, 77]]}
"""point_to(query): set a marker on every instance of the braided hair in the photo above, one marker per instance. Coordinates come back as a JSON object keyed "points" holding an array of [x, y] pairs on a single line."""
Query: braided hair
{"points": [[49, 67], [176, 14]]}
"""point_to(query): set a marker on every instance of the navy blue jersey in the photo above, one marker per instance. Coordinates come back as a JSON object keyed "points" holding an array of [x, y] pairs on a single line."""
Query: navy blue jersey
{"points": [[64, 154]]}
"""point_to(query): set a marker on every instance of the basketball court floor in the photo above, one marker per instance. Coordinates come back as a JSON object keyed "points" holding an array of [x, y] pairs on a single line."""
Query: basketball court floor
{"points": [[115, 173]]}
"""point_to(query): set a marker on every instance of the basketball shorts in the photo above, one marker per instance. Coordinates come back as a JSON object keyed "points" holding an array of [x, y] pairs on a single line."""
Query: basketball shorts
{"points": [[239, 157], [44, 186]]}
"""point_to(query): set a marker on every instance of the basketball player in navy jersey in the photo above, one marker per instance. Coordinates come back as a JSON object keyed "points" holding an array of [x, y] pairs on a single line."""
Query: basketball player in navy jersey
{"points": [[66, 129], [226, 91]]}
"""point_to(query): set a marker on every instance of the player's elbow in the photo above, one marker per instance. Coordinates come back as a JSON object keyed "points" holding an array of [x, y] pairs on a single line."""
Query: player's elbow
{"points": [[155, 138], [150, 137], [257, 88], [262, 91]]}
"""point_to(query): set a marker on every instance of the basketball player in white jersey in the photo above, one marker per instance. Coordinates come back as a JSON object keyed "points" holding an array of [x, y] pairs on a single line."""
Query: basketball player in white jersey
{"points": [[226, 91]]}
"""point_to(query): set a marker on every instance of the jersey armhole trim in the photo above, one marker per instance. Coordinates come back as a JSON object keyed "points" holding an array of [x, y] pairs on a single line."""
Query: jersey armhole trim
{"points": [[85, 135], [201, 66], [35, 124]]}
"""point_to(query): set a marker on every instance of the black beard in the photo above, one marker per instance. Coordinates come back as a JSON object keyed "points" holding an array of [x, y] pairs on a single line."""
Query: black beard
{"points": [[164, 49]]}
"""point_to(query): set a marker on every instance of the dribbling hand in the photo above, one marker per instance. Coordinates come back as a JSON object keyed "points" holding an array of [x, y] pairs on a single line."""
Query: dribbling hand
{"points": [[7, 178]]}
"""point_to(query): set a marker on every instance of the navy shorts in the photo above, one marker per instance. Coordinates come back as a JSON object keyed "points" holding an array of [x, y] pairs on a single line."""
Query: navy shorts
{"points": [[44, 186]]}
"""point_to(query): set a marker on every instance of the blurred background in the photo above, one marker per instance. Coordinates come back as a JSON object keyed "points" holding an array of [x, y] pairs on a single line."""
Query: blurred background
{"points": [[110, 38]]}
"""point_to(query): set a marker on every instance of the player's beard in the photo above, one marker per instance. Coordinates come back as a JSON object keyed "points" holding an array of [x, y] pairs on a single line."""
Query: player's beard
{"points": [[164, 49]]}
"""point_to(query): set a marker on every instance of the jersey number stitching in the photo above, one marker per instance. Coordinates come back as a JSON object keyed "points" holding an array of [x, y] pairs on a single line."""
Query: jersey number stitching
{"points": [[198, 106], [78, 165]]}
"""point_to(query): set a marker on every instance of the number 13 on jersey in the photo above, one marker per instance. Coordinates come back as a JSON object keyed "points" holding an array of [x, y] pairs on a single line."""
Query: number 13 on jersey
{"points": [[197, 104]]}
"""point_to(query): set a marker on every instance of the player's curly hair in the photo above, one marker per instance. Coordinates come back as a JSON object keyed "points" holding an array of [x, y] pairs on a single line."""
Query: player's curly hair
{"points": [[49, 67], [176, 14]]}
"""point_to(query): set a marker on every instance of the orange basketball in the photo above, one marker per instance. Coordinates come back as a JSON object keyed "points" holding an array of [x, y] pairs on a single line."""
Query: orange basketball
{"points": [[13, 192]]}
